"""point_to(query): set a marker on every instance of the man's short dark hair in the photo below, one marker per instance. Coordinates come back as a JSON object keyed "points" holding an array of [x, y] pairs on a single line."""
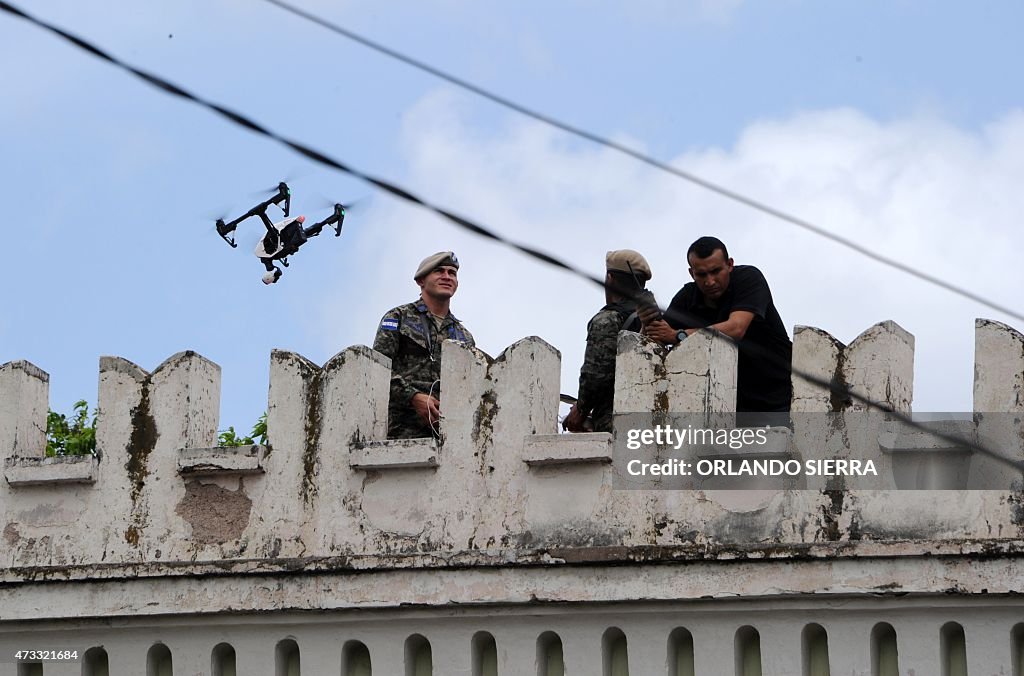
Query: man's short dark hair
{"points": [[624, 283], [705, 246]]}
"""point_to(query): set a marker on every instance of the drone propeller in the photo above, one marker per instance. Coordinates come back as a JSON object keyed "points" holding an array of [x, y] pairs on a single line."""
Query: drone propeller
{"points": [[263, 192], [357, 204], [323, 202], [320, 201], [282, 199], [290, 177], [221, 213]]}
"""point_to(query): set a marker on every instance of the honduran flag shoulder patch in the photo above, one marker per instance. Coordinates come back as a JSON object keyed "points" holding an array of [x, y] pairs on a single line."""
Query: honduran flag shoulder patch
{"points": [[389, 324]]}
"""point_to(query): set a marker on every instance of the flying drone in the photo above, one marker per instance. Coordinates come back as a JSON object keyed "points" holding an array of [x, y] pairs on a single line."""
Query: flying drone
{"points": [[284, 237]]}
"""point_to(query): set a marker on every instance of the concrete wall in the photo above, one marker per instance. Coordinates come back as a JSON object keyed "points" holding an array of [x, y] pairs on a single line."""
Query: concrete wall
{"points": [[506, 513], [329, 485], [657, 637]]}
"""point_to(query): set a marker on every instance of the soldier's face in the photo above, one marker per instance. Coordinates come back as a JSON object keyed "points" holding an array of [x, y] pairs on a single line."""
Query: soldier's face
{"points": [[711, 273], [441, 282]]}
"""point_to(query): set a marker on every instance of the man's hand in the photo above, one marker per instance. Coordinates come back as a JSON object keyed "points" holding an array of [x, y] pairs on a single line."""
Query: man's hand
{"points": [[573, 422], [647, 308], [660, 331], [428, 408]]}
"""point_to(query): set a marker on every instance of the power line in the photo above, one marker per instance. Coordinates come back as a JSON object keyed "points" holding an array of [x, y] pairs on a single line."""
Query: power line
{"points": [[402, 193], [646, 159]]}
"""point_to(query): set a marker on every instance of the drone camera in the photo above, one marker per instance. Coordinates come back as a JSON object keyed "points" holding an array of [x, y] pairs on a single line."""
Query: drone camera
{"points": [[272, 276]]}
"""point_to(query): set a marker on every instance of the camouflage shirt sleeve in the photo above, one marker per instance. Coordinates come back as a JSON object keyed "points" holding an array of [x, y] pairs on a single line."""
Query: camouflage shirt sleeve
{"points": [[597, 376], [387, 342], [469, 341]]}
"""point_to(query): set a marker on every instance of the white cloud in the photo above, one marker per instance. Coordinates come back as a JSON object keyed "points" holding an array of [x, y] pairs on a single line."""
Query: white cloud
{"points": [[937, 197]]}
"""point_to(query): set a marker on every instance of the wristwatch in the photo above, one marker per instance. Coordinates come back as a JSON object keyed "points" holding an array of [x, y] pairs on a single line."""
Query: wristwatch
{"points": [[681, 335]]}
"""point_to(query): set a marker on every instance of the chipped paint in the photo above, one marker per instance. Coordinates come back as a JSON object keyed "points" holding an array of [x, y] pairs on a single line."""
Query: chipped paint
{"points": [[215, 514], [312, 428], [316, 518], [141, 444]]}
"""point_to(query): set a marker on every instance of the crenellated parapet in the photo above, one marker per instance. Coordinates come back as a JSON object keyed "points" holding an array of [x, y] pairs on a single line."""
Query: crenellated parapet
{"points": [[500, 482], [878, 365]]}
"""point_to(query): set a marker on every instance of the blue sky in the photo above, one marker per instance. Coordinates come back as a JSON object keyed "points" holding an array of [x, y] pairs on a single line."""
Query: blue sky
{"points": [[898, 124]]}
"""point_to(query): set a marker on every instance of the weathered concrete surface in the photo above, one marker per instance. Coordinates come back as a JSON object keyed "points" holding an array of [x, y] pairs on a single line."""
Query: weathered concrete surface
{"points": [[504, 525], [699, 375], [222, 460], [878, 365], [178, 407], [998, 367], [394, 454], [562, 449], [214, 514], [499, 481], [567, 575], [998, 389], [925, 457], [68, 469], [818, 354], [649, 630], [24, 392]]}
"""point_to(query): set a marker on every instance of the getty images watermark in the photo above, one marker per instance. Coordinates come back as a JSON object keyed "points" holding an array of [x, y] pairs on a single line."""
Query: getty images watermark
{"points": [[750, 439], [814, 451]]}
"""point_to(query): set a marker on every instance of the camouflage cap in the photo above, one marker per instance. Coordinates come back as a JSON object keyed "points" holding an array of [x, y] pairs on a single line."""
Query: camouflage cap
{"points": [[628, 261], [437, 260]]}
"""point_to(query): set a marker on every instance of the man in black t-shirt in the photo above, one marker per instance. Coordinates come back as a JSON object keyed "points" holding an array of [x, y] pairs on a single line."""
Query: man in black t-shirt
{"points": [[736, 300]]}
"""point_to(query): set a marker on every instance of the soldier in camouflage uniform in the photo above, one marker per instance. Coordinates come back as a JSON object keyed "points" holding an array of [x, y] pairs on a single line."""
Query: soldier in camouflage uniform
{"points": [[411, 335], [627, 274]]}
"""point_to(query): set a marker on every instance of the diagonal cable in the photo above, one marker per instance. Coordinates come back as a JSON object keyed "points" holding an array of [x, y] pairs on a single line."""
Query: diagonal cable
{"points": [[648, 160], [482, 231]]}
